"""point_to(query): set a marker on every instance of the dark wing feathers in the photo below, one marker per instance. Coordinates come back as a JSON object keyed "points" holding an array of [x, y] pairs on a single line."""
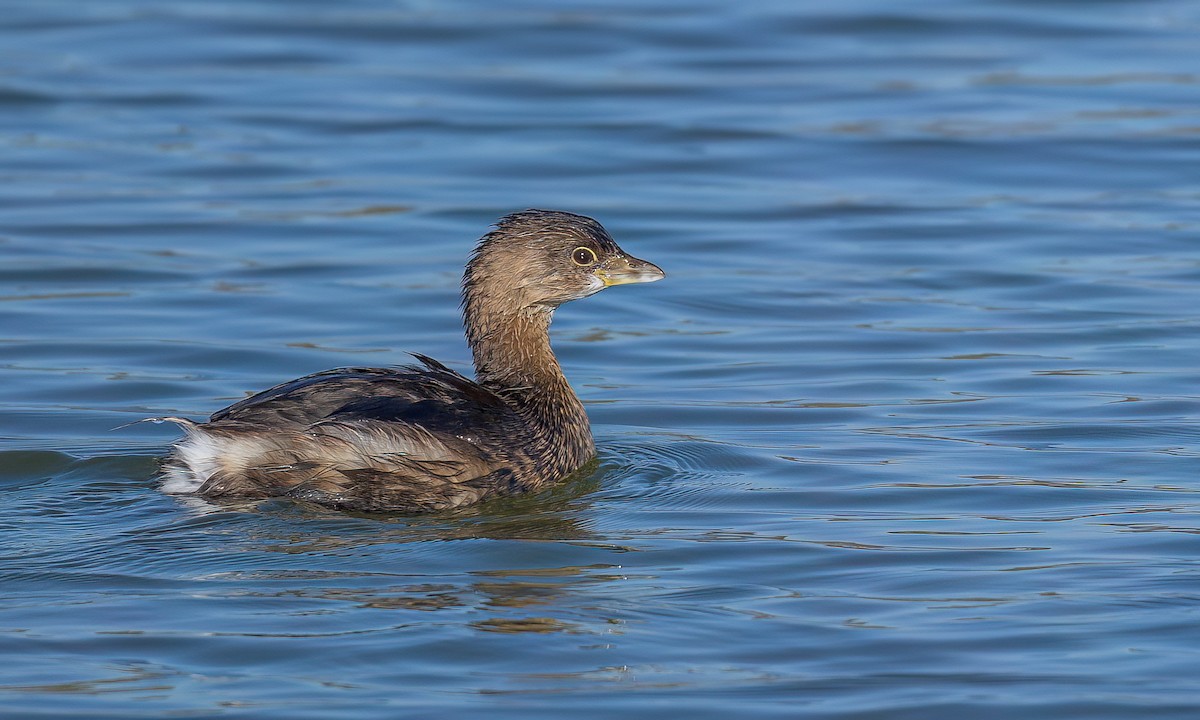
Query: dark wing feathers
{"points": [[421, 437], [432, 396], [303, 400]]}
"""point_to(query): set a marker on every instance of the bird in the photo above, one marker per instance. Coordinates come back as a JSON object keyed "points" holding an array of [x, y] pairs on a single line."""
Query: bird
{"points": [[423, 437]]}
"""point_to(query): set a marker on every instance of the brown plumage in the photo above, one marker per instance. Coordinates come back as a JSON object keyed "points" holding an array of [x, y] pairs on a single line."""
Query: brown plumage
{"points": [[424, 437]]}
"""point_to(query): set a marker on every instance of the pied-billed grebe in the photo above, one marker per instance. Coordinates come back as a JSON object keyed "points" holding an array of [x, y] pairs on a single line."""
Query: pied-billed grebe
{"points": [[424, 438]]}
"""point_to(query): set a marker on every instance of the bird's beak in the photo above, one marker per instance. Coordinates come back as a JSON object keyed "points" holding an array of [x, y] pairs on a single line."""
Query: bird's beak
{"points": [[626, 269]]}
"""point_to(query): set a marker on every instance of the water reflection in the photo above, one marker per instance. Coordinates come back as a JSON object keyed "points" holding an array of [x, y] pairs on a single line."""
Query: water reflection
{"points": [[535, 600], [134, 678]]}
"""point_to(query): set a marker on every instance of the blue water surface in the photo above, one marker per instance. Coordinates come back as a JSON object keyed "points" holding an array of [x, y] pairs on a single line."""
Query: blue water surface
{"points": [[909, 432]]}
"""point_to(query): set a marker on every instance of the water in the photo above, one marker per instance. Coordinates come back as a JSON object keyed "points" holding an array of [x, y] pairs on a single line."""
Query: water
{"points": [[910, 431]]}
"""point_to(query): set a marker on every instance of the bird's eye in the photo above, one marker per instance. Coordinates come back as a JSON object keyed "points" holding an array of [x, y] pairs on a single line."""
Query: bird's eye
{"points": [[583, 256]]}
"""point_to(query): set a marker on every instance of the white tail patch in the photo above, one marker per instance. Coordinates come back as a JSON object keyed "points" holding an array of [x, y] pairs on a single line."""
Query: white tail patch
{"points": [[200, 455], [197, 457]]}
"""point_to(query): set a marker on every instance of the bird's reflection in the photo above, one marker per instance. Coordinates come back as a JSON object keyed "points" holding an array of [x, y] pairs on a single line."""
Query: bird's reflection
{"points": [[526, 598]]}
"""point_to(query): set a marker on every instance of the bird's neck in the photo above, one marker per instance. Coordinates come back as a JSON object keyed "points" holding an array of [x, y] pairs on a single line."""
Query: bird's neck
{"points": [[513, 358]]}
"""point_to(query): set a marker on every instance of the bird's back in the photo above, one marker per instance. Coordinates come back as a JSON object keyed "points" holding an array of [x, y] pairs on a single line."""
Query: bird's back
{"points": [[418, 437]]}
